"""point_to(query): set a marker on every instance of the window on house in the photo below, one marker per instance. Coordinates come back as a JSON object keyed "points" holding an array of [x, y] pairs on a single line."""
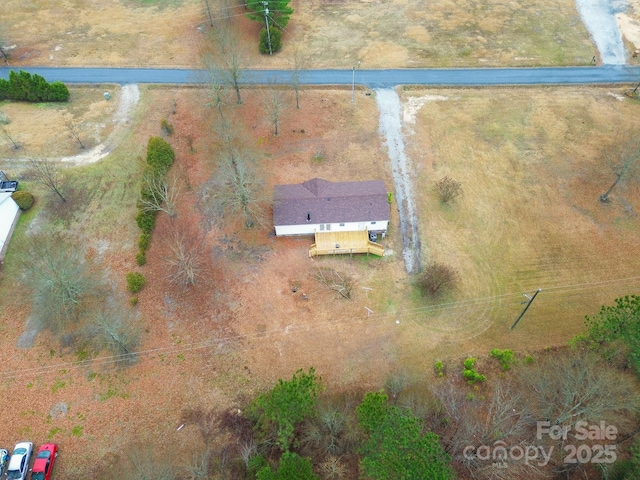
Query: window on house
{"points": [[373, 223], [342, 224], [328, 226], [322, 227]]}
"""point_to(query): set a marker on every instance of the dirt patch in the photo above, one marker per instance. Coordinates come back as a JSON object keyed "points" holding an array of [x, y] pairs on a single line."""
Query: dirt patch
{"points": [[629, 22]]}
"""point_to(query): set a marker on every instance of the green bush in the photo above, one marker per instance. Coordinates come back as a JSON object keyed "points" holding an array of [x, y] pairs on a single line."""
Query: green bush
{"points": [[276, 40], [160, 155], [141, 258], [504, 356], [146, 221], [135, 281], [144, 241], [24, 200], [439, 366], [25, 87], [469, 363], [469, 373], [472, 376]]}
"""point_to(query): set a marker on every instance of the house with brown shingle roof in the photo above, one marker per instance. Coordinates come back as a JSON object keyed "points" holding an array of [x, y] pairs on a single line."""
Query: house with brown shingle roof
{"points": [[321, 206]]}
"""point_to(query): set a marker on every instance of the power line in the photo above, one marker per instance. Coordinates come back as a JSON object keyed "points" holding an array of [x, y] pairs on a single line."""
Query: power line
{"points": [[439, 308]]}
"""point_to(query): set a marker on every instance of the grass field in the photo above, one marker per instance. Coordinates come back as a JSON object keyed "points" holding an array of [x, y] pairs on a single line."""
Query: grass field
{"points": [[531, 167], [377, 34], [43, 129]]}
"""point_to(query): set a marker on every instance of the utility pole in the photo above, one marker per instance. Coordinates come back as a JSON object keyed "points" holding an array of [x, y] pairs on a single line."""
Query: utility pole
{"points": [[353, 84], [266, 19], [531, 299]]}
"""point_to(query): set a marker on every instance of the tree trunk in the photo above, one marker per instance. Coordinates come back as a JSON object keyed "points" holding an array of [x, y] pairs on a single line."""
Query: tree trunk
{"points": [[206, 2], [605, 197], [59, 194]]}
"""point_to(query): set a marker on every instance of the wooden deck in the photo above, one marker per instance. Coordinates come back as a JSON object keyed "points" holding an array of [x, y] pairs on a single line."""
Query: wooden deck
{"points": [[341, 243]]}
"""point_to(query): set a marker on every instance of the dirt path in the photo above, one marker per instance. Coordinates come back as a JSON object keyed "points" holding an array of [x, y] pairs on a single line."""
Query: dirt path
{"points": [[390, 128], [129, 97]]}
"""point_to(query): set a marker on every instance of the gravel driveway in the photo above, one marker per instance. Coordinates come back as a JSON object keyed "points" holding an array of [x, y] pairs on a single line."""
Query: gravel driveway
{"points": [[390, 129], [599, 18]]}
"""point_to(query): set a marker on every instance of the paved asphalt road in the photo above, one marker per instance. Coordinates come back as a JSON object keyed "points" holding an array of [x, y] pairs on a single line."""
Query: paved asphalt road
{"points": [[370, 78]]}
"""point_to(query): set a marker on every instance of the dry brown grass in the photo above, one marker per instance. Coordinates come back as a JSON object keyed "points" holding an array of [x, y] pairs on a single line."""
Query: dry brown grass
{"points": [[335, 34], [529, 162], [40, 128]]}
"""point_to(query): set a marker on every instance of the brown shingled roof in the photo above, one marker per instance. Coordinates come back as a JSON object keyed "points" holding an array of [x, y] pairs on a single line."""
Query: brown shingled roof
{"points": [[328, 202]]}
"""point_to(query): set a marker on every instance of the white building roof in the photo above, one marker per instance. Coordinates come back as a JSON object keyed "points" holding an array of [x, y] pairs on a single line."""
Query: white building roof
{"points": [[9, 210]]}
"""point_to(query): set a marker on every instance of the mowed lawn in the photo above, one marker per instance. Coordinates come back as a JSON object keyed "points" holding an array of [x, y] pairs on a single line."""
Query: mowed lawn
{"points": [[530, 162]]}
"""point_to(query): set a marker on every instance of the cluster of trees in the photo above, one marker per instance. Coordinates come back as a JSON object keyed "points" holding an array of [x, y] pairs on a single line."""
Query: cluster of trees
{"points": [[440, 430], [615, 332], [23, 86]]}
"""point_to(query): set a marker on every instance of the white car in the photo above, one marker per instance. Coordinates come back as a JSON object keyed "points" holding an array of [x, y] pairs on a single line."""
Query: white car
{"points": [[4, 458], [19, 462]]}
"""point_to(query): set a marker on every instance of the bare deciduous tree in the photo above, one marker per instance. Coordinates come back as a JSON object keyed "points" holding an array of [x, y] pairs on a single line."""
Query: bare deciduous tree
{"points": [[300, 62], [437, 277], [237, 188], [623, 160], [447, 189], [332, 468], [3, 49], [61, 279], [146, 463], [186, 257], [48, 174], [6, 134], [274, 104], [216, 91], [74, 130], [161, 194], [248, 450], [117, 329], [578, 386], [333, 280], [241, 197], [224, 58], [573, 386], [465, 422], [198, 469]]}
